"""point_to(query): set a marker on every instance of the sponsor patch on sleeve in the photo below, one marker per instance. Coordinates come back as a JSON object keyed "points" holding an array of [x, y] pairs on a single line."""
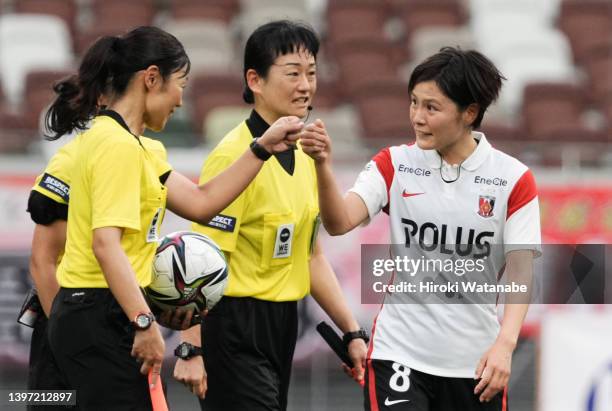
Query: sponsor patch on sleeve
{"points": [[223, 223], [55, 186]]}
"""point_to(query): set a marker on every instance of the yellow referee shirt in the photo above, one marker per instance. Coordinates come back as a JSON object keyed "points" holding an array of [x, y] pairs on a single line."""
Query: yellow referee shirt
{"points": [[114, 183], [268, 231]]}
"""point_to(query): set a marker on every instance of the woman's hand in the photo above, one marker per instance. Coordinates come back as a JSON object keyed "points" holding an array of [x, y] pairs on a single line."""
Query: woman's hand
{"points": [[282, 134], [494, 370], [192, 374], [149, 348], [315, 142]]}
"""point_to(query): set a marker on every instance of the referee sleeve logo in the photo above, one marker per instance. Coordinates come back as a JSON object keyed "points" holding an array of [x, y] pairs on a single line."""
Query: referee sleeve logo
{"points": [[55, 185], [223, 223]]}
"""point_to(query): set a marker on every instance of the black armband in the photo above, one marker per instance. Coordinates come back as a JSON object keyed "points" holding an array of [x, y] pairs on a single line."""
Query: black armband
{"points": [[44, 210]]}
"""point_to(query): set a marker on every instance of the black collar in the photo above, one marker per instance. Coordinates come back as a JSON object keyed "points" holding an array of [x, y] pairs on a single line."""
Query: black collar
{"points": [[117, 117], [258, 126]]}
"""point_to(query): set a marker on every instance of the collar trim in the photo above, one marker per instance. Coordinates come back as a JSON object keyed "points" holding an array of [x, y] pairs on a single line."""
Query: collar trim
{"points": [[117, 117], [474, 160]]}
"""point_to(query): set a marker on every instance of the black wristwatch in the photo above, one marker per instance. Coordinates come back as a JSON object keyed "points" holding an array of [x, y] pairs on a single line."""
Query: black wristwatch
{"points": [[259, 151], [143, 321], [351, 335], [185, 351]]}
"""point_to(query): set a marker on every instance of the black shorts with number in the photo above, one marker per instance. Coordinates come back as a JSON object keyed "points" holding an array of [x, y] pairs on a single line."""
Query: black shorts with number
{"points": [[91, 339], [395, 387], [248, 348]]}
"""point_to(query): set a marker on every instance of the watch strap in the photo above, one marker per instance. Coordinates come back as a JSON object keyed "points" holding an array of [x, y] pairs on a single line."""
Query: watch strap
{"points": [[351, 335], [259, 151]]}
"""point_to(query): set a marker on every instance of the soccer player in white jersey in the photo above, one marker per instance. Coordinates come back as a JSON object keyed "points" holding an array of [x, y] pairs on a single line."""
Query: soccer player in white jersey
{"points": [[451, 187]]}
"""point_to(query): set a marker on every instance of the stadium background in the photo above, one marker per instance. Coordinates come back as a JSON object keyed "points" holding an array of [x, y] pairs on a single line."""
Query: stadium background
{"points": [[555, 114]]}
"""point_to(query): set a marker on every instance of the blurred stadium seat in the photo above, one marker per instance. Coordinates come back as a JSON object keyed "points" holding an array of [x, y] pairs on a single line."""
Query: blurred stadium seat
{"points": [[248, 6], [384, 110], [246, 22], [39, 94], [120, 16], [222, 10], [552, 107], [599, 67], [423, 13], [209, 91], [544, 11], [15, 138], [22, 49], [585, 22], [328, 95], [220, 120], [64, 9], [208, 43], [347, 19], [429, 40], [362, 61], [527, 65]]}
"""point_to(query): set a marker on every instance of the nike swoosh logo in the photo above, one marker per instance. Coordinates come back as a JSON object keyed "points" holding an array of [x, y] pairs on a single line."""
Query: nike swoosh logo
{"points": [[405, 194], [388, 403]]}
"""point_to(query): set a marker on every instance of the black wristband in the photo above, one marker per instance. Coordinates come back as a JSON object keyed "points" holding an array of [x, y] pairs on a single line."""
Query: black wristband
{"points": [[351, 335], [260, 152]]}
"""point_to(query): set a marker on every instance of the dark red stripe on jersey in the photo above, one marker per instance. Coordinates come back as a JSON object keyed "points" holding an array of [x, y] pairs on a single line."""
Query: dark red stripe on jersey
{"points": [[372, 387], [523, 192], [386, 169], [505, 399]]}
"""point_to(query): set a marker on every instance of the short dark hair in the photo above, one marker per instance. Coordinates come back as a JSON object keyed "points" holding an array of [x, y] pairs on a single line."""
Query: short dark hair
{"points": [[272, 40], [108, 66], [466, 77]]}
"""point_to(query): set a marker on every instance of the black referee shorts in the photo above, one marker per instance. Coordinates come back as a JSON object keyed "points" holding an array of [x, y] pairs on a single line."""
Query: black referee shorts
{"points": [[248, 349], [43, 373], [395, 387], [91, 339]]}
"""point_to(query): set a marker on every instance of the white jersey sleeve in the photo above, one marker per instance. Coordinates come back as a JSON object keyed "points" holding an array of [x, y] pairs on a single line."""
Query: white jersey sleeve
{"points": [[374, 182], [522, 228]]}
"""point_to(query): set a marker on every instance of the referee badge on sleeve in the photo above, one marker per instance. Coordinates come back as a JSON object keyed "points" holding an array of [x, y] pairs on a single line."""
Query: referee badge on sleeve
{"points": [[284, 238], [56, 186]]}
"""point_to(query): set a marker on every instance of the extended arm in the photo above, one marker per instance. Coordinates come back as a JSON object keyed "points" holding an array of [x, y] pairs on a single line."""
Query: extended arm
{"points": [[202, 203]]}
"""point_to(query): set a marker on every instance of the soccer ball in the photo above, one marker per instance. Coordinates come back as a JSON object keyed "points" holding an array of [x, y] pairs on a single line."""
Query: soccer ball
{"points": [[189, 271]]}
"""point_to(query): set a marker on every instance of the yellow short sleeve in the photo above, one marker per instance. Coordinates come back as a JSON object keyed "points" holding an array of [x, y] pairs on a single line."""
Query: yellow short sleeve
{"points": [[115, 186], [224, 227]]}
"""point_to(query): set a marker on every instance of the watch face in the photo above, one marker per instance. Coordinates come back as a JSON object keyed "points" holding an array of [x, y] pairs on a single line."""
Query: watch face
{"points": [[143, 321], [184, 350]]}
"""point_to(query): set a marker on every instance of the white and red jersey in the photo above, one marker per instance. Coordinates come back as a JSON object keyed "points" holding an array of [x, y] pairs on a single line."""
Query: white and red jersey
{"points": [[490, 199]]}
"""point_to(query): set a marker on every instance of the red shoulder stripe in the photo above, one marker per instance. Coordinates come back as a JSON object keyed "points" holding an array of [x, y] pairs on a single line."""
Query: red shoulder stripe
{"points": [[523, 192], [386, 169]]}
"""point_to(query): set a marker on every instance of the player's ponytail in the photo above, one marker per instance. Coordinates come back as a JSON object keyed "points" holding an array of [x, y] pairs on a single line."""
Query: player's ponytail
{"points": [[77, 96], [107, 68]]}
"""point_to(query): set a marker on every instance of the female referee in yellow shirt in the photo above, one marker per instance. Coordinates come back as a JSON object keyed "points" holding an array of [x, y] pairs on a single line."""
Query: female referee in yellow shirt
{"points": [[99, 319], [269, 235]]}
